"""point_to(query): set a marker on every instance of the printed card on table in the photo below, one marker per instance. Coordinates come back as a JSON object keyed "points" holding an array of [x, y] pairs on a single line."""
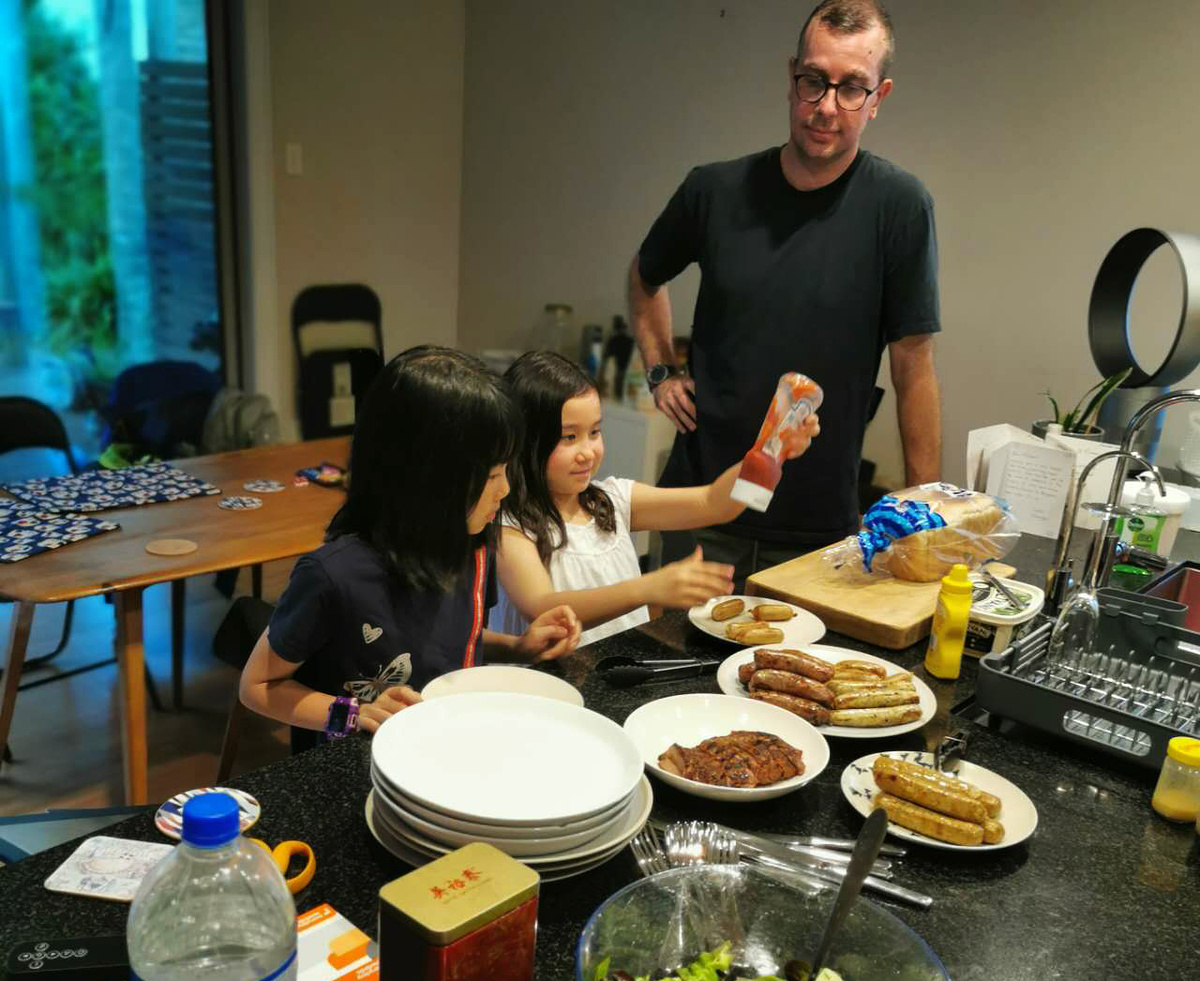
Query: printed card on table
{"points": [[331, 948]]}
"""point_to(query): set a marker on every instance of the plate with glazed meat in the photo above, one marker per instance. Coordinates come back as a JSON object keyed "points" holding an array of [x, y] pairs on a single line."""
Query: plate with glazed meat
{"points": [[726, 748], [842, 692]]}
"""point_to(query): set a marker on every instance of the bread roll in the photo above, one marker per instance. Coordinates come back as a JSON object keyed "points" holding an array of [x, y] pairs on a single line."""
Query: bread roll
{"points": [[926, 556]]}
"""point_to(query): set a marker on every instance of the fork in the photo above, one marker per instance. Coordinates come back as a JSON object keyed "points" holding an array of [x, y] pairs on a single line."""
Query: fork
{"points": [[720, 847], [648, 852]]}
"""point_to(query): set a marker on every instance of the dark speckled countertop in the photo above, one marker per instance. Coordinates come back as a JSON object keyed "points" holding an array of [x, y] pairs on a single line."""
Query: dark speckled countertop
{"points": [[1104, 890]]}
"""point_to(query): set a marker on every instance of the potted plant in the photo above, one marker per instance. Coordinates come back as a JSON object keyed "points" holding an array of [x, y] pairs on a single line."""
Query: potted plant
{"points": [[1080, 422]]}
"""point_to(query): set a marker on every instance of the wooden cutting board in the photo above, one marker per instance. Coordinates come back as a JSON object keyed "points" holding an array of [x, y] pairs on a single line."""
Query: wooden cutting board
{"points": [[891, 613]]}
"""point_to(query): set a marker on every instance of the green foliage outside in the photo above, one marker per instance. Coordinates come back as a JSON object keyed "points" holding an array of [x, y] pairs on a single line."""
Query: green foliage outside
{"points": [[70, 196]]}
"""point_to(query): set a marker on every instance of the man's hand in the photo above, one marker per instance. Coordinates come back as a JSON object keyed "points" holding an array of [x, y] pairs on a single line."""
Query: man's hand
{"points": [[674, 400], [553, 634], [371, 715], [796, 441], [689, 582]]}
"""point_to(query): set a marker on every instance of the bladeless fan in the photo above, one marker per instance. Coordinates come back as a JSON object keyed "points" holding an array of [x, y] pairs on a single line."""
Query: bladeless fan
{"points": [[1109, 329]]}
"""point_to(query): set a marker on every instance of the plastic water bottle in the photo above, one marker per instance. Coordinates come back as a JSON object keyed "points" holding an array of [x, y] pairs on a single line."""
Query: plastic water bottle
{"points": [[216, 908]]}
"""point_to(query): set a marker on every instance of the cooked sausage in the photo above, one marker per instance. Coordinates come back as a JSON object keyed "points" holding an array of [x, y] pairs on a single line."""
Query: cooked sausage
{"points": [[793, 684], [759, 633], [893, 682], [929, 823], [927, 795], [727, 609], [993, 832], [862, 667], [990, 801], [866, 718], [772, 611], [818, 715], [795, 661], [874, 699], [746, 672]]}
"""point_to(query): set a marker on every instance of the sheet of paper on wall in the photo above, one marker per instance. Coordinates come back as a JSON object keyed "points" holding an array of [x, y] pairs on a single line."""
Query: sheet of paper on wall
{"points": [[1099, 481], [1034, 479], [982, 443]]}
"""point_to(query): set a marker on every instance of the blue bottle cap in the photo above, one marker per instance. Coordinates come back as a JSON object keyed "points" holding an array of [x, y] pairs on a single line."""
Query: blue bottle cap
{"points": [[210, 820]]}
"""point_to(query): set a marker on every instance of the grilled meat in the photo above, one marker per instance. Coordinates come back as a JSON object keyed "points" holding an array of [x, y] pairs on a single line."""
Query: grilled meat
{"points": [[742, 759]]}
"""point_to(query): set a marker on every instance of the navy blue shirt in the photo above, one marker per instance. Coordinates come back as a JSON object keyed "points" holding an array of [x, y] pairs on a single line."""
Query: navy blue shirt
{"points": [[355, 631], [812, 281]]}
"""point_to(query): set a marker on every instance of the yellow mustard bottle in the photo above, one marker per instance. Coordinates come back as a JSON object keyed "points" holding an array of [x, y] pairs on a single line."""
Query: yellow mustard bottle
{"points": [[943, 659]]}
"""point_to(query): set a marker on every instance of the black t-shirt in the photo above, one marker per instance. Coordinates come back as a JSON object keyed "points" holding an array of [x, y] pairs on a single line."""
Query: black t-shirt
{"points": [[355, 631], [812, 281]]}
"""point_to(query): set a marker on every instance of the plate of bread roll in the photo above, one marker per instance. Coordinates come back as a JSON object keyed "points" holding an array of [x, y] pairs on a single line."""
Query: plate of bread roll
{"points": [[973, 809], [749, 620], [840, 691]]}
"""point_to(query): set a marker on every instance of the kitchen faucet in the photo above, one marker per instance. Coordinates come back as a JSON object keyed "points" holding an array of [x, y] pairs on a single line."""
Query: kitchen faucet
{"points": [[1104, 546], [1059, 576]]}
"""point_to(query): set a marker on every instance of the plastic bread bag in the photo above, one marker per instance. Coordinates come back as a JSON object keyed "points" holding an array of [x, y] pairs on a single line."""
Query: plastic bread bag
{"points": [[919, 533]]}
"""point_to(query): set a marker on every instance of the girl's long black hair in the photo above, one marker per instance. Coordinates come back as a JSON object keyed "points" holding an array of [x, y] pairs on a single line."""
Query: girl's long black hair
{"points": [[542, 381], [430, 428]]}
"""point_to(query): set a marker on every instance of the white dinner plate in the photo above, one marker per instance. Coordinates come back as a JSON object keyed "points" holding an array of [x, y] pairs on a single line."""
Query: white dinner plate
{"points": [[633, 817], [803, 628], [727, 681], [1017, 813], [416, 859], [690, 719], [481, 830], [503, 677], [517, 847], [498, 758]]}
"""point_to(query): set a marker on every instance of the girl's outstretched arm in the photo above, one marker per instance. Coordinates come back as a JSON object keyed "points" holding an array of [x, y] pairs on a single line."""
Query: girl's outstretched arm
{"points": [[267, 688], [677, 508], [553, 634], [679, 585]]}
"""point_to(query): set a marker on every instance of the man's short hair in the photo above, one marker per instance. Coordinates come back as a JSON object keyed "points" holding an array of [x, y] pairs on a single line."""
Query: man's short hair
{"points": [[853, 17]]}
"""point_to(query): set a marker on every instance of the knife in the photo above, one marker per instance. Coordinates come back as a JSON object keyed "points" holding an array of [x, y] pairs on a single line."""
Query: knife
{"points": [[838, 844]]}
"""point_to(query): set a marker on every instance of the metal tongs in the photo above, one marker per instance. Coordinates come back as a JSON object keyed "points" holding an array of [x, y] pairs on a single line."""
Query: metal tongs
{"points": [[622, 671]]}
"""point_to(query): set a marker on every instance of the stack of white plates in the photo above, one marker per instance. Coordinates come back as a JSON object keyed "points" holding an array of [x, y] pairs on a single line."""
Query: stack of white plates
{"points": [[553, 784]]}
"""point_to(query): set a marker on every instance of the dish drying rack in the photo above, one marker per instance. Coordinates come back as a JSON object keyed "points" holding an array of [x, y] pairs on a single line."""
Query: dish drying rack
{"points": [[1127, 700]]}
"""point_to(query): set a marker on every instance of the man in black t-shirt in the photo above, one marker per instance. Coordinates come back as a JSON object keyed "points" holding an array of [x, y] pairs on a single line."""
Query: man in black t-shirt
{"points": [[814, 257]]}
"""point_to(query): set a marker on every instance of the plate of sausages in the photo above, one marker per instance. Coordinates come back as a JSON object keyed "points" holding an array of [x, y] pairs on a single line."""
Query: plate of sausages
{"points": [[842, 692], [973, 810], [746, 620]]}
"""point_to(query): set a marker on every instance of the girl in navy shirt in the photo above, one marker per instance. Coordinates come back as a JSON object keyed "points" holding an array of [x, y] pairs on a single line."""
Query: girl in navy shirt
{"points": [[399, 592]]}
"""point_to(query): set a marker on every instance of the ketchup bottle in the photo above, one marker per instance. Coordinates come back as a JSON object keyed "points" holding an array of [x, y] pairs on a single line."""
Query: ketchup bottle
{"points": [[796, 398]]}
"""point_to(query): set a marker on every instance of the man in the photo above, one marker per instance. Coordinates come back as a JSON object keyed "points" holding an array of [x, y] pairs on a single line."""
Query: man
{"points": [[814, 257]]}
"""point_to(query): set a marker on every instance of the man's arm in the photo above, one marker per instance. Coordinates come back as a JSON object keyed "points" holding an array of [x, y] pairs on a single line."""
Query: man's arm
{"points": [[918, 406], [650, 315]]}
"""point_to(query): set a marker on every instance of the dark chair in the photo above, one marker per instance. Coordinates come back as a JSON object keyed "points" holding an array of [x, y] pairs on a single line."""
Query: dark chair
{"points": [[26, 423], [160, 406], [235, 638], [337, 330]]}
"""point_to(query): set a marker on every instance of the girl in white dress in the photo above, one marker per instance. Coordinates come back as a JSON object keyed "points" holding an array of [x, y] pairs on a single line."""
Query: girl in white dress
{"points": [[565, 538]]}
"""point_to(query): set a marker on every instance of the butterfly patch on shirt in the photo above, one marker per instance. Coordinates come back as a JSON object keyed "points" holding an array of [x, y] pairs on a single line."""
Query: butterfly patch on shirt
{"points": [[396, 673]]}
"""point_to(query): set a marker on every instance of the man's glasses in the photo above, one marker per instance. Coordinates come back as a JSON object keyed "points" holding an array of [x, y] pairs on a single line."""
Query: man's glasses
{"points": [[849, 96]]}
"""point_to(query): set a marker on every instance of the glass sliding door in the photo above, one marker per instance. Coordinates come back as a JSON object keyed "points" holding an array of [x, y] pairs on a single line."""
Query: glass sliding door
{"points": [[107, 204]]}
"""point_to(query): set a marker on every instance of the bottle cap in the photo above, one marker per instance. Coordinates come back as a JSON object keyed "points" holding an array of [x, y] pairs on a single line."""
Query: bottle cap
{"points": [[210, 820], [957, 581], [1185, 750]]}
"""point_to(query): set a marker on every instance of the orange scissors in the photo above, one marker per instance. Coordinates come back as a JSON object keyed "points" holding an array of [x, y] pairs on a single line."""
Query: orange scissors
{"points": [[282, 855]]}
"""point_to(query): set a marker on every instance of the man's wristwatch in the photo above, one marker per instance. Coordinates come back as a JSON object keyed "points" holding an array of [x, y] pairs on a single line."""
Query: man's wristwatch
{"points": [[343, 717], [659, 373]]}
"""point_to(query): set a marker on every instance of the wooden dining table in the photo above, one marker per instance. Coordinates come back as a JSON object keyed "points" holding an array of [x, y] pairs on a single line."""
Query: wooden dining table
{"points": [[289, 523]]}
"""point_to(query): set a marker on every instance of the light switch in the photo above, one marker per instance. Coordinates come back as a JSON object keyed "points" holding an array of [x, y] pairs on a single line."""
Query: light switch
{"points": [[294, 159]]}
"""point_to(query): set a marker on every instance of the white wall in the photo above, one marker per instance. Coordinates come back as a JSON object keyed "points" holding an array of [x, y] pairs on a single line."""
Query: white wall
{"points": [[1044, 131], [373, 93]]}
